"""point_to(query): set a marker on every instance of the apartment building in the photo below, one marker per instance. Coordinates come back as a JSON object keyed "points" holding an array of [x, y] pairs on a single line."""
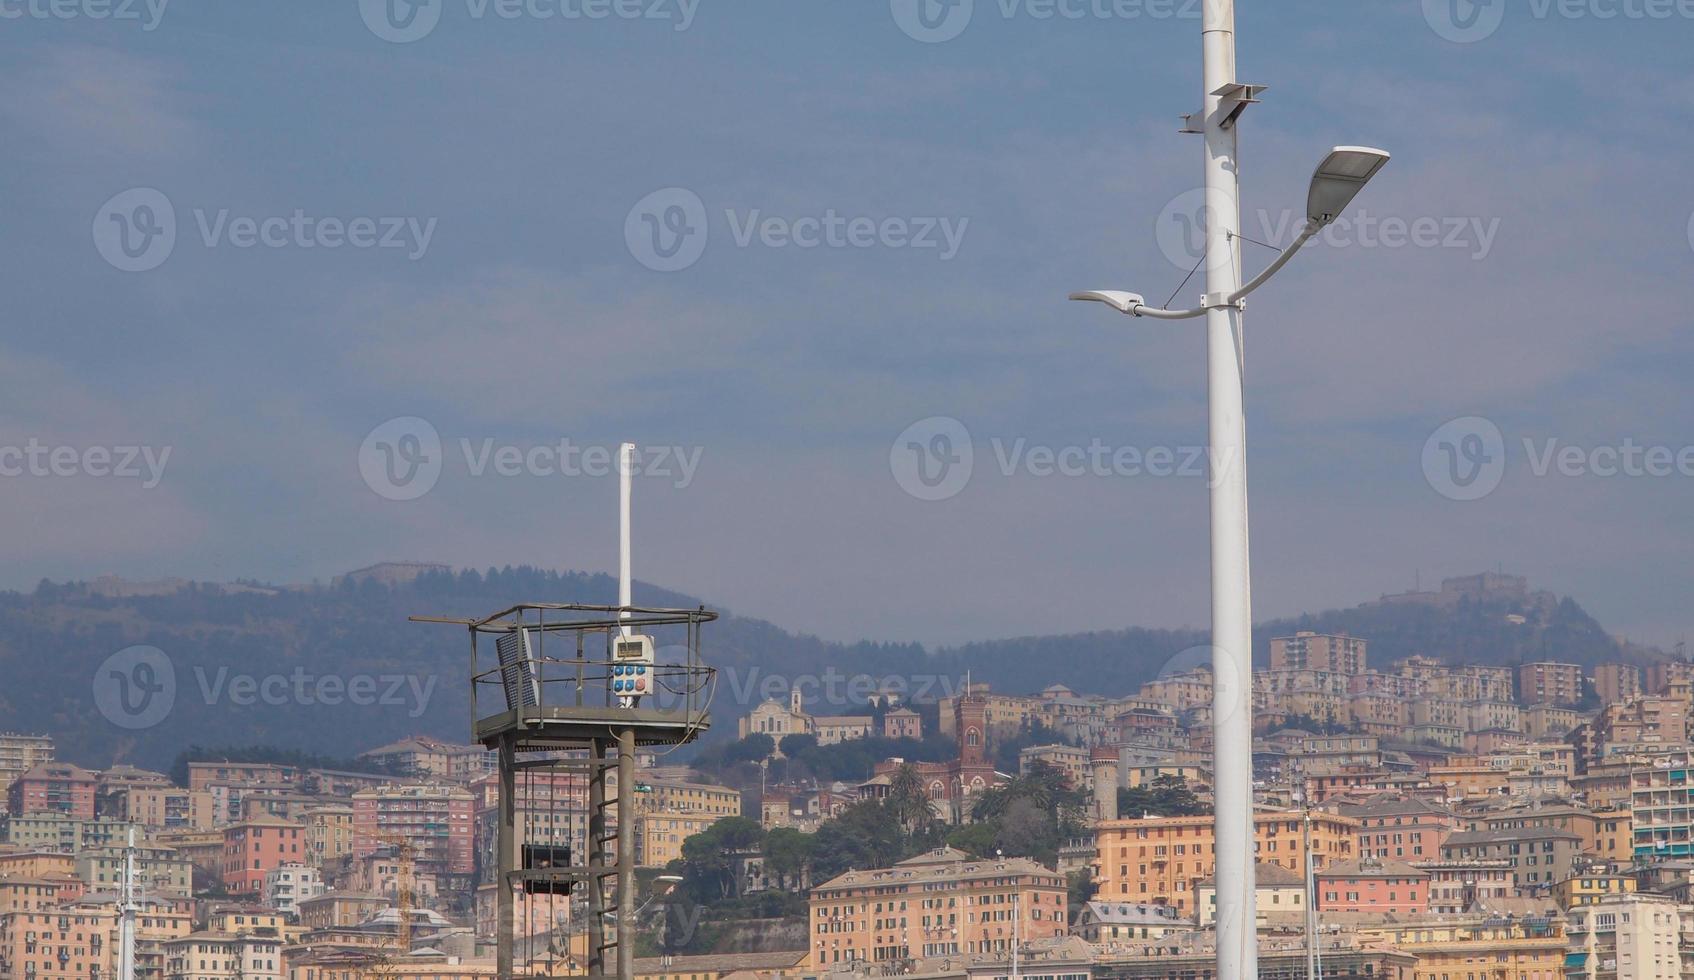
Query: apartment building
{"points": [[434, 818], [63, 834], [160, 870], [57, 944], [1538, 856], [329, 834], [159, 807], [1373, 885], [1663, 677], [222, 956], [1318, 651], [1617, 682], [422, 757], [21, 753], [1161, 859], [253, 847], [1662, 808], [287, 886], [1546, 682], [1628, 937], [52, 787], [943, 903], [1408, 829], [1074, 762], [1477, 947], [660, 835]]}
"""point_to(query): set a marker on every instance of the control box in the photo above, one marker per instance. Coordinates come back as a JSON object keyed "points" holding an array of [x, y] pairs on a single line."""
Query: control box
{"points": [[632, 665]]}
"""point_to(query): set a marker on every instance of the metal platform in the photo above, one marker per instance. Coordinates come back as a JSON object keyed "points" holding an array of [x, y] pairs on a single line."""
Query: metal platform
{"points": [[552, 691]]}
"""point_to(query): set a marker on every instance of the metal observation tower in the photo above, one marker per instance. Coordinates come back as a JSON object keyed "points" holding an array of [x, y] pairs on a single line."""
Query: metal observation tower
{"points": [[572, 689]]}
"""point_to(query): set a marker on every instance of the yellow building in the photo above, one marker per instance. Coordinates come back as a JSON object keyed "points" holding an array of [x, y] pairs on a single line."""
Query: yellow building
{"points": [[1162, 859], [660, 839], [1496, 949], [1589, 889], [943, 903]]}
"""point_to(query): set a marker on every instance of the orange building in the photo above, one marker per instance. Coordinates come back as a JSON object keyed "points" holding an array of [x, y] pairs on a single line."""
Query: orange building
{"points": [[60, 944], [253, 847], [1160, 860], [943, 903]]}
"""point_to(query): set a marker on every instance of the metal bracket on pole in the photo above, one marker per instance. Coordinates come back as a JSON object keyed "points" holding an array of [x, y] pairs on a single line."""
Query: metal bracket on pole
{"points": [[1218, 301], [1194, 123], [1236, 98]]}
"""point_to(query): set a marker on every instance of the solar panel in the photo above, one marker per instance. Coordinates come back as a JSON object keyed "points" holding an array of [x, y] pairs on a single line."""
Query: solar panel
{"points": [[518, 670]]}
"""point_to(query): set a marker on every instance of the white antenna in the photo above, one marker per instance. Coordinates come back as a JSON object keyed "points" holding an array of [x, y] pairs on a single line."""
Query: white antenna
{"points": [[626, 476], [127, 907]]}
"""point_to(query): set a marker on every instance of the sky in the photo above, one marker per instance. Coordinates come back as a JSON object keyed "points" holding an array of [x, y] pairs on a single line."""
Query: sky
{"points": [[292, 288]]}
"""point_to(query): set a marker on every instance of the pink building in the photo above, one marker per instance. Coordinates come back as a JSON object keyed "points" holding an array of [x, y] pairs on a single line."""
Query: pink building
{"points": [[255, 846], [1373, 885], [53, 787], [902, 723]]}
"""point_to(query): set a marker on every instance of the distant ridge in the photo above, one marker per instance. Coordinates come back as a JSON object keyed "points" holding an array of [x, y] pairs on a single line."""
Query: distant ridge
{"points": [[53, 640]]}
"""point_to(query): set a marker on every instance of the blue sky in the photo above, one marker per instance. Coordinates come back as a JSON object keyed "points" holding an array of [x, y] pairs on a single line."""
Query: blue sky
{"points": [[1548, 158]]}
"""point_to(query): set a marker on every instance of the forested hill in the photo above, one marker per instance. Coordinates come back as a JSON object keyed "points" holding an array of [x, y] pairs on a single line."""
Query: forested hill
{"points": [[54, 640]]}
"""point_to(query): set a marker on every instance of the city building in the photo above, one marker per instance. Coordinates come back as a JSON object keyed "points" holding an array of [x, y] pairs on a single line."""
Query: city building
{"points": [[285, 887], [1373, 885], [1279, 898], [159, 870], [1546, 682], [1113, 922], [1628, 937], [223, 956], [942, 903], [1318, 651], [902, 723], [52, 787], [1617, 682], [422, 757], [1538, 856], [253, 847], [21, 753], [434, 819], [1477, 947], [1162, 859], [329, 834]]}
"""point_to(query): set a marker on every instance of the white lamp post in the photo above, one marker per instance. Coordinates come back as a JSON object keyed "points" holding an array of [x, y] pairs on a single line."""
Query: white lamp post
{"points": [[1337, 180]]}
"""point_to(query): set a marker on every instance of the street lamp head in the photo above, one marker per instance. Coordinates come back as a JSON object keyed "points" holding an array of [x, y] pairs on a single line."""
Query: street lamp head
{"points": [[1117, 299], [669, 879], [1339, 178]]}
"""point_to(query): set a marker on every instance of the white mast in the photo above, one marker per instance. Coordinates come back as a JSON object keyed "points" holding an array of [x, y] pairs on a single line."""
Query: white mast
{"points": [[626, 475], [127, 908]]}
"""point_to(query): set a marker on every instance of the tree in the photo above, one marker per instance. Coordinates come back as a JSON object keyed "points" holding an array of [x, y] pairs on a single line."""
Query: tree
{"points": [[1165, 796], [908, 801], [865, 835], [798, 744], [787, 853], [708, 856], [754, 748]]}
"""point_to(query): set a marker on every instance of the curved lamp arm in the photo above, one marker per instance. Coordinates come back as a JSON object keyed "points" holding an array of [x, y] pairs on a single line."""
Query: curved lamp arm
{"points": [[1135, 304], [1306, 233]]}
